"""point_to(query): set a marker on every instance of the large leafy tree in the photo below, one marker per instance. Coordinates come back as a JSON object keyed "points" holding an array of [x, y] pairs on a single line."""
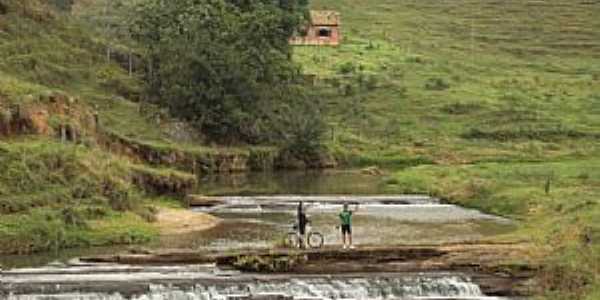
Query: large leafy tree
{"points": [[224, 65]]}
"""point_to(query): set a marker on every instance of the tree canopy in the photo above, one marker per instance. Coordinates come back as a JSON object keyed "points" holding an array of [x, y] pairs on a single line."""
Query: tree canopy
{"points": [[225, 65]]}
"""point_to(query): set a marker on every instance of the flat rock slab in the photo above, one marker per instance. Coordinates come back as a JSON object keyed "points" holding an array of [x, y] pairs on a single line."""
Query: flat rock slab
{"points": [[489, 263]]}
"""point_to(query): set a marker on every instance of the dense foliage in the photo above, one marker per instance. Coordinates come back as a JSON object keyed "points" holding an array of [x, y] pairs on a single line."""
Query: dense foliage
{"points": [[225, 65]]}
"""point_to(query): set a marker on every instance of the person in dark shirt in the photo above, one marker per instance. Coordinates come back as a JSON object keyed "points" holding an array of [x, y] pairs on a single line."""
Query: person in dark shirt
{"points": [[302, 221]]}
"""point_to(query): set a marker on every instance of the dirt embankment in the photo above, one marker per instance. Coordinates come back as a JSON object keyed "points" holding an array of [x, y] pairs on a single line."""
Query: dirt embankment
{"points": [[51, 114], [59, 115]]}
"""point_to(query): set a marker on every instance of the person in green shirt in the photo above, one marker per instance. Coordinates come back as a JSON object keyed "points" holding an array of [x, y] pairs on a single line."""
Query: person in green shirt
{"points": [[346, 220]]}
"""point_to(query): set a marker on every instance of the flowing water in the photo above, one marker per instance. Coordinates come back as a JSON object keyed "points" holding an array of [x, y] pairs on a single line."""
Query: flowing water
{"points": [[262, 221], [207, 283], [378, 220]]}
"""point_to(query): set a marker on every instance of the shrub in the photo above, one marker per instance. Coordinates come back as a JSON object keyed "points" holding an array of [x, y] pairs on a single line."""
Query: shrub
{"points": [[415, 59], [371, 82], [5, 119], [119, 196], [95, 212], [148, 213], [392, 181], [458, 108], [528, 133], [73, 217], [65, 5], [348, 90], [436, 84], [347, 68], [270, 264], [402, 91]]}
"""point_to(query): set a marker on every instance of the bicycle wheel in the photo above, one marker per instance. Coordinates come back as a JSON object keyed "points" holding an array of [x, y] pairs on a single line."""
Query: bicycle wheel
{"points": [[292, 240], [315, 240]]}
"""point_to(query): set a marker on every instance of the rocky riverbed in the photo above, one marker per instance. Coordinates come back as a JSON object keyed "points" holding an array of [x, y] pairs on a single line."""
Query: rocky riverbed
{"points": [[408, 247]]}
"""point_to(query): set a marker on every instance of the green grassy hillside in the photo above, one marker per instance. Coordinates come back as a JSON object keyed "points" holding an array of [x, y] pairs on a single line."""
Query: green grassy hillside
{"points": [[462, 81], [55, 195], [54, 72], [499, 99]]}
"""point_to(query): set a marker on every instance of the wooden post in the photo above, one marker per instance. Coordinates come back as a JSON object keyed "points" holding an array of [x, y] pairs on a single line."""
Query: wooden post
{"points": [[130, 64], [333, 134], [63, 133]]}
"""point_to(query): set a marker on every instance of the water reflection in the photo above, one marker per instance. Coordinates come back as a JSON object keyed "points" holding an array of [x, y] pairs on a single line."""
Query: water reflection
{"points": [[293, 182]]}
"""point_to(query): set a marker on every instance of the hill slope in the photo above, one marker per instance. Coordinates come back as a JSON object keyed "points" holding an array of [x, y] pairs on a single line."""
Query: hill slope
{"points": [[501, 100], [63, 105], [463, 81]]}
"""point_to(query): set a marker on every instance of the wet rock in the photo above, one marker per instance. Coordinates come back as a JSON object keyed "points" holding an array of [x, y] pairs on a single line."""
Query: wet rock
{"points": [[486, 261], [56, 264], [271, 296], [204, 201], [373, 171]]}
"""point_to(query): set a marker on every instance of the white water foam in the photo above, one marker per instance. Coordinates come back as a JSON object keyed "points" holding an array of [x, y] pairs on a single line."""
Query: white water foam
{"points": [[422, 287]]}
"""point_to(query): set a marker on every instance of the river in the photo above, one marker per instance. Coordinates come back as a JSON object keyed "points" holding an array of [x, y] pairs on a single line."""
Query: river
{"points": [[257, 211]]}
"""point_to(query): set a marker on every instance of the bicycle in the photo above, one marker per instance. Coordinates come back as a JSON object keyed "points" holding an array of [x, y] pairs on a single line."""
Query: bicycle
{"points": [[314, 239]]}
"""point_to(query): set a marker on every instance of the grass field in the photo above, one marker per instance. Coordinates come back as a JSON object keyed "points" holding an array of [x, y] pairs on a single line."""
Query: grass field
{"points": [[462, 81], [490, 104]]}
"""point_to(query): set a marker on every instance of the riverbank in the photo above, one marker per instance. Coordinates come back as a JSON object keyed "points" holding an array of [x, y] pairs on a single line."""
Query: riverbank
{"points": [[556, 204]]}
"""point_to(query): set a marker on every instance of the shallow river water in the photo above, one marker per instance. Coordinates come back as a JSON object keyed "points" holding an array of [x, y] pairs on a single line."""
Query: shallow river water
{"points": [[252, 221]]}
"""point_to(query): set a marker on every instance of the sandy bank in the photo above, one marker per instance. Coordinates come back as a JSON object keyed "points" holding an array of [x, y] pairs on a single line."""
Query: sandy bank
{"points": [[180, 221]]}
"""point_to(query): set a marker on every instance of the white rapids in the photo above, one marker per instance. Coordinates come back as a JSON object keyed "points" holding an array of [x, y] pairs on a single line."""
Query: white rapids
{"points": [[206, 283]]}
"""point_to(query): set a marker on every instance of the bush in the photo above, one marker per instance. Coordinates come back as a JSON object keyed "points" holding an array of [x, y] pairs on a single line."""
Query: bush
{"points": [[458, 108], [5, 116], [347, 68], [527, 133], [436, 84], [371, 82], [348, 90], [95, 212], [392, 181], [64, 5], [148, 213], [119, 196], [415, 59], [73, 217], [270, 264]]}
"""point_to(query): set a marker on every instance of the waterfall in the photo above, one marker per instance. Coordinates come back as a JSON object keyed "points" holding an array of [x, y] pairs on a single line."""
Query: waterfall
{"points": [[373, 288]]}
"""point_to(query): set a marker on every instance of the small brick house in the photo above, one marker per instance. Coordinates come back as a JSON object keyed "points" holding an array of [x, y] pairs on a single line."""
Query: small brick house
{"points": [[324, 30]]}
